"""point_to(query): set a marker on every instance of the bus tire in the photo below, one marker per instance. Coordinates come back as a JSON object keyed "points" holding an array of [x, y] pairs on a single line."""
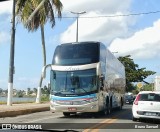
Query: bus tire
{"points": [[121, 104], [108, 108]]}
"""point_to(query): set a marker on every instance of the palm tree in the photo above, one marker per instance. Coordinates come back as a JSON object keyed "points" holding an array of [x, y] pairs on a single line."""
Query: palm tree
{"points": [[24, 9]]}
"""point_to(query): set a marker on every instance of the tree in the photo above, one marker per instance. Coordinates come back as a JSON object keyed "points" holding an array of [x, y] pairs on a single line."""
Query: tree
{"points": [[28, 91], [148, 87], [47, 90], [1, 90], [20, 93], [24, 9], [5, 91], [35, 90], [133, 72]]}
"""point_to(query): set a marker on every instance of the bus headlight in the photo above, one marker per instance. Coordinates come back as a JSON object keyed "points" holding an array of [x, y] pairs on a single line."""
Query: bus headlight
{"points": [[88, 101], [93, 99]]}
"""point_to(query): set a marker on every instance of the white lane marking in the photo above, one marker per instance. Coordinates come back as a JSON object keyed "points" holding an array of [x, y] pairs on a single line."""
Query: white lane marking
{"points": [[34, 121]]}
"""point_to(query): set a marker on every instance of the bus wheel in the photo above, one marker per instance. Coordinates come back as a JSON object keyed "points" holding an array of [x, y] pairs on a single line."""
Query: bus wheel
{"points": [[66, 114], [103, 112], [108, 109], [121, 105]]}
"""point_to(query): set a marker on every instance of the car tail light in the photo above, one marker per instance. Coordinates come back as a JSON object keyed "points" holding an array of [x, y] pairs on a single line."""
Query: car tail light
{"points": [[137, 99]]}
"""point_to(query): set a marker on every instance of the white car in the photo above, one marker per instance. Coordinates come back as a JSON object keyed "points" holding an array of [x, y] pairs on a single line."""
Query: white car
{"points": [[146, 105]]}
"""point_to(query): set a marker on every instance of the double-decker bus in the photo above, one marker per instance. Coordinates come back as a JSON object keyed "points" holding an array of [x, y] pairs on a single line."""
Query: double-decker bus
{"points": [[85, 77]]}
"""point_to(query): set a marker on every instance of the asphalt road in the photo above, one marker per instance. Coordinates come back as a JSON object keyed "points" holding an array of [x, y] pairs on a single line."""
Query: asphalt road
{"points": [[117, 121]]}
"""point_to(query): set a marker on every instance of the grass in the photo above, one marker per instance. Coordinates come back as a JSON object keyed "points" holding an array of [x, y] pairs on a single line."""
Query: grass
{"points": [[1, 103], [45, 98]]}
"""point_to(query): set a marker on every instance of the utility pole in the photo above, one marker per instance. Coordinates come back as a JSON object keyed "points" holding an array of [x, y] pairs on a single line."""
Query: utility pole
{"points": [[11, 63], [78, 13]]}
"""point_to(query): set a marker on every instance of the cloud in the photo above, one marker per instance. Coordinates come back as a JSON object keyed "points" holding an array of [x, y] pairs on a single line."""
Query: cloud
{"points": [[96, 29], [144, 44], [103, 6], [5, 17], [4, 37], [6, 7], [103, 29]]}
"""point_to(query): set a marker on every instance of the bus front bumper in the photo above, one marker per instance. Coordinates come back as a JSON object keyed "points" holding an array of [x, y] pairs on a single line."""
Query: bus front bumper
{"points": [[89, 107]]}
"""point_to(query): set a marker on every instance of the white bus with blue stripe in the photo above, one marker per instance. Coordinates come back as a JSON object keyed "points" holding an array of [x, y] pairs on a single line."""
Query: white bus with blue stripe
{"points": [[85, 77]]}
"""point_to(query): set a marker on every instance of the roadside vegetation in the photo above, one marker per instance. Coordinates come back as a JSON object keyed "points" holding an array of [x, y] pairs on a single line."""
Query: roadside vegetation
{"points": [[134, 74], [29, 93], [23, 102]]}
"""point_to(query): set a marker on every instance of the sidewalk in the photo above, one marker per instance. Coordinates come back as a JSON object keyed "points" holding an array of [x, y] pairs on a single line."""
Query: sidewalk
{"points": [[21, 109]]}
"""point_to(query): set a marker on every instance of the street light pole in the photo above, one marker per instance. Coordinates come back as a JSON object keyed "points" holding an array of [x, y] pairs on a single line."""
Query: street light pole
{"points": [[11, 65], [115, 52], [77, 28], [78, 13]]}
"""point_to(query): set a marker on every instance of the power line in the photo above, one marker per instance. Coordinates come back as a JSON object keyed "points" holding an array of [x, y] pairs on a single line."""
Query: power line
{"points": [[3, 0], [120, 15]]}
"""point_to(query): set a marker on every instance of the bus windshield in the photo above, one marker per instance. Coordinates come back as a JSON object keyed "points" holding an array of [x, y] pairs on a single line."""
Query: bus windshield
{"points": [[72, 83], [76, 54]]}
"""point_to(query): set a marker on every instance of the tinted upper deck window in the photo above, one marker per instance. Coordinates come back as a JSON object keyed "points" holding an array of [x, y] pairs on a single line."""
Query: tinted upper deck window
{"points": [[76, 54]]}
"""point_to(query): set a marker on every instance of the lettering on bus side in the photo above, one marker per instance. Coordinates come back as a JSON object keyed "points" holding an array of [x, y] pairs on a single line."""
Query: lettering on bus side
{"points": [[72, 68]]}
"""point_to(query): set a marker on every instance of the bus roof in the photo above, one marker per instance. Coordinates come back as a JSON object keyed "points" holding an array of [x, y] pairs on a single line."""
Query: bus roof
{"points": [[82, 42]]}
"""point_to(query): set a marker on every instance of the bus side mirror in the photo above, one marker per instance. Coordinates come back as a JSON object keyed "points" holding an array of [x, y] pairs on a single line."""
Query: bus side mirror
{"points": [[49, 86], [44, 70], [101, 88], [44, 73], [101, 78]]}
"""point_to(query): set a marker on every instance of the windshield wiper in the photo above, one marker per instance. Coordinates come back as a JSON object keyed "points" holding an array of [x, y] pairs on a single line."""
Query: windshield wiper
{"points": [[58, 93], [73, 89], [83, 89]]}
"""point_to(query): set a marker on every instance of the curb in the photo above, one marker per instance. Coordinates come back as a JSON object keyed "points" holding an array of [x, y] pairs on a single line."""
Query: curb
{"points": [[12, 113]]}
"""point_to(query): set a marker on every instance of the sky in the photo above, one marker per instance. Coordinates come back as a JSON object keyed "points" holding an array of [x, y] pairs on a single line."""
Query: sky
{"points": [[106, 21]]}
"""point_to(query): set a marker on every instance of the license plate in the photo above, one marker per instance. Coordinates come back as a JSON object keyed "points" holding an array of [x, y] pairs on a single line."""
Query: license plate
{"points": [[150, 114], [72, 109]]}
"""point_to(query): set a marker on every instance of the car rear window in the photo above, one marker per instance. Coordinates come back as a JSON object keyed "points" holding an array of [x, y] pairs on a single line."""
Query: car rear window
{"points": [[149, 97], [128, 97]]}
